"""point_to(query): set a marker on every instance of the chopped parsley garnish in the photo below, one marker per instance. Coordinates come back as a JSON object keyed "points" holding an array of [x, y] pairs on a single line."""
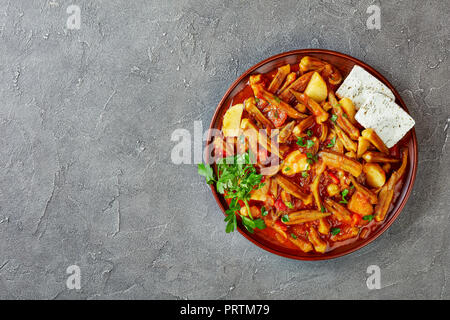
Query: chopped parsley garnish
{"points": [[236, 178], [322, 208], [334, 118], [335, 231], [293, 236], [256, 100], [289, 205], [207, 172], [287, 169], [309, 144], [311, 158], [332, 142], [277, 99], [369, 217], [344, 193], [300, 142], [285, 218], [309, 133], [264, 212], [305, 174]]}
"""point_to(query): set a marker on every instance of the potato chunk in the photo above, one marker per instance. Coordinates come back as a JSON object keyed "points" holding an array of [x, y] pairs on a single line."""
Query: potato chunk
{"points": [[261, 193], [305, 246], [317, 88], [333, 189], [232, 121], [360, 204], [376, 177], [294, 163], [363, 145]]}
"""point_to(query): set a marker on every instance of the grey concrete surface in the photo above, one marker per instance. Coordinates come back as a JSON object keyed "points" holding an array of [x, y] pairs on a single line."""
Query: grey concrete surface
{"points": [[86, 118]]}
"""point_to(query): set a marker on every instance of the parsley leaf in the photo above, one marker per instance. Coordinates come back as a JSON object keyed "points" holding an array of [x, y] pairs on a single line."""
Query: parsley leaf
{"points": [[334, 118], [309, 133], [344, 194], [309, 144], [332, 142], [300, 142], [207, 172], [293, 236], [260, 224], [285, 218], [264, 212], [311, 158], [335, 231], [305, 174], [236, 177], [289, 204], [369, 217]]}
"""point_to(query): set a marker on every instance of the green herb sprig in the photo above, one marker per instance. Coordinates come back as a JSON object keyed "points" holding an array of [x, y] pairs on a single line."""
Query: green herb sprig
{"points": [[344, 193], [335, 231], [236, 178], [332, 142]]}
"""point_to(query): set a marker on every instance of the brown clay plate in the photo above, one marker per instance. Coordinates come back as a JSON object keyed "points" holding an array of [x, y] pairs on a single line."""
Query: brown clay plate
{"points": [[344, 63]]}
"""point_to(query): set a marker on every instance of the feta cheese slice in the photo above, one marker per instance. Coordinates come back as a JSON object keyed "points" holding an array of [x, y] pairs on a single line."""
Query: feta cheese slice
{"points": [[387, 118], [360, 84]]}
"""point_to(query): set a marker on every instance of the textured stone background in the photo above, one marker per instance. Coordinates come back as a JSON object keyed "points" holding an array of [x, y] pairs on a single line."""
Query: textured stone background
{"points": [[85, 123]]}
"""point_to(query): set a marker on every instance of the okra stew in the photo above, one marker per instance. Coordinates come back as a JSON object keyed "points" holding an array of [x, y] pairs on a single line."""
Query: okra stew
{"points": [[294, 165]]}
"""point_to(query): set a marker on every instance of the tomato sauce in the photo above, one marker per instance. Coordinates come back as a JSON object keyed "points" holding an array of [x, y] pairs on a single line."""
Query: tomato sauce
{"points": [[331, 175]]}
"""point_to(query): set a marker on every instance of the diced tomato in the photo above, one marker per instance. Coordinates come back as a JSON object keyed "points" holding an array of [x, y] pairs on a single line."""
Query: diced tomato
{"points": [[281, 225], [261, 104], [241, 203], [279, 204], [356, 219], [277, 117], [333, 176]]}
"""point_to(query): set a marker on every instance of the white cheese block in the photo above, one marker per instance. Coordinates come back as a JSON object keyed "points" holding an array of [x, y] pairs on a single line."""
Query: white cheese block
{"points": [[360, 84], [387, 118]]}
